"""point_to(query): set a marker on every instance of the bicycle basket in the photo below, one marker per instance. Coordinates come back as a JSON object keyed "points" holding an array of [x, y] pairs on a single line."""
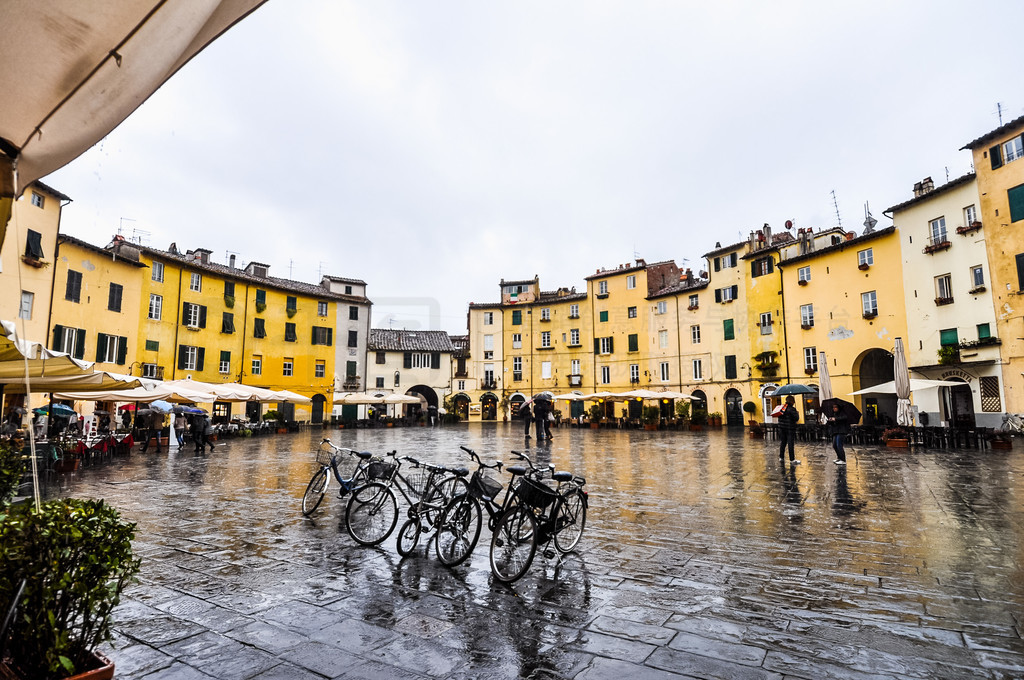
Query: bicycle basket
{"points": [[378, 469], [485, 487], [535, 494], [417, 479], [324, 454]]}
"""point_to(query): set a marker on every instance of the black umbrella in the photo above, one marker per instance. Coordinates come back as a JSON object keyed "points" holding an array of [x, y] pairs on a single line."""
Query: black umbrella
{"points": [[852, 412]]}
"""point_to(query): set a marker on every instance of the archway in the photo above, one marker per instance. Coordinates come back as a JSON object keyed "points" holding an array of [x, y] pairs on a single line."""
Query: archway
{"points": [[515, 403], [874, 367], [488, 406], [699, 402], [768, 401], [958, 405], [733, 407], [317, 415]]}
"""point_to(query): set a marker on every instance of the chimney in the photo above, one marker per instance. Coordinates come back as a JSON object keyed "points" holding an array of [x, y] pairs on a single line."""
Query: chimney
{"points": [[923, 187], [231, 261]]}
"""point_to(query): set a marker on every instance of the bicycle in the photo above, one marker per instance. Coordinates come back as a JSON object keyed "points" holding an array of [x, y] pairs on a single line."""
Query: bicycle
{"points": [[542, 514], [442, 484], [459, 525], [328, 458], [372, 511]]}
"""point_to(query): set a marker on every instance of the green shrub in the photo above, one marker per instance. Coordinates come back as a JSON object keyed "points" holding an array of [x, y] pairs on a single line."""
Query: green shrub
{"points": [[682, 409], [652, 415], [76, 557], [12, 467]]}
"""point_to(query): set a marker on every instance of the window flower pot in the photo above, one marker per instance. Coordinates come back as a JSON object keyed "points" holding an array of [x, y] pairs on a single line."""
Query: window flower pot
{"points": [[802, 282], [862, 267], [101, 668], [897, 443]]}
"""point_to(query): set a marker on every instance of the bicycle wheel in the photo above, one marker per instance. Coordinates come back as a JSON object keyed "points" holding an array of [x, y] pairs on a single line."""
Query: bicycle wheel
{"points": [[458, 530], [408, 537], [513, 545], [439, 495], [314, 492], [571, 520], [371, 514]]}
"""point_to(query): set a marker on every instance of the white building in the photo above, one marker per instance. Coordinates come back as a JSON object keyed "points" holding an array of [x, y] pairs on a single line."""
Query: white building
{"points": [[411, 362], [352, 333]]}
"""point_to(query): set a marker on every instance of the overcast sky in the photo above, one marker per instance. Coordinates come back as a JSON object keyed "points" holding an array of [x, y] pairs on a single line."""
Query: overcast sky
{"points": [[433, 148]]}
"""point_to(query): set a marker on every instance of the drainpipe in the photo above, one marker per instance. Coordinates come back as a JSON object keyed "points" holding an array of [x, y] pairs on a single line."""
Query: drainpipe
{"points": [[679, 345], [177, 325], [785, 339]]}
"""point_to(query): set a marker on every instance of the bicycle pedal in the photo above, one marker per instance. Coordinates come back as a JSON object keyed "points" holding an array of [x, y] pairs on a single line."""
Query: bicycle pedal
{"points": [[549, 553], [499, 543]]}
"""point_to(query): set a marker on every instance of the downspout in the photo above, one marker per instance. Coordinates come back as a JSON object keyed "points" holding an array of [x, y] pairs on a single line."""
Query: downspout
{"points": [[679, 345], [177, 324], [53, 284], [785, 338]]}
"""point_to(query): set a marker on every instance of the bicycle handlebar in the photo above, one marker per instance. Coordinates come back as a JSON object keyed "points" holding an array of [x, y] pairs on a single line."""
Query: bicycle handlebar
{"points": [[472, 454]]}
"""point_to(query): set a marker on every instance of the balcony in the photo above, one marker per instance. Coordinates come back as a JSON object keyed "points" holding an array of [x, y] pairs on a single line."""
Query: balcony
{"points": [[936, 244], [870, 315], [351, 384], [462, 373], [980, 342], [973, 226], [489, 385], [575, 381], [940, 301], [574, 316]]}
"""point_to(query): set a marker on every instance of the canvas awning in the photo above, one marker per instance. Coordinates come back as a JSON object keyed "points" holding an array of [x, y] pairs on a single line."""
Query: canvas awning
{"points": [[88, 380], [292, 397], [916, 385], [358, 398], [142, 394]]}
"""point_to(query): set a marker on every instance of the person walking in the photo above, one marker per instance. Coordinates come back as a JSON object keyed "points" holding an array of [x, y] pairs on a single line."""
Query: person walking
{"points": [[527, 417], [838, 428], [540, 416], [432, 415], [198, 439], [207, 432], [179, 428], [787, 430], [156, 424]]}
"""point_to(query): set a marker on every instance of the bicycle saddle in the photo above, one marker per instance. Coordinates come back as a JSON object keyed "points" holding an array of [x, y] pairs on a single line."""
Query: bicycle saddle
{"points": [[459, 471], [516, 470], [365, 455], [562, 476]]}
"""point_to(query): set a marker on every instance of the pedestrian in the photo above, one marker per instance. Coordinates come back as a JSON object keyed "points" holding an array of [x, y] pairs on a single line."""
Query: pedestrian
{"points": [[156, 425], [126, 420], [208, 432], [550, 418], [197, 432], [432, 415], [838, 428], [180, 423], [787, 429], [540, 417], [527, 417]]}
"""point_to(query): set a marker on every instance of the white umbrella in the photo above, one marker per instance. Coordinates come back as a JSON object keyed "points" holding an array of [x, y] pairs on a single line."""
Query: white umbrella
{"points": [[824, 383], [143, 395], [642, 394], [222, 390], [292, 397], [902, 383], [568, 396], [401, 399], [42, 362], [669, 394], [87, 380], [604, 396], [916, 385], [358, 398]]}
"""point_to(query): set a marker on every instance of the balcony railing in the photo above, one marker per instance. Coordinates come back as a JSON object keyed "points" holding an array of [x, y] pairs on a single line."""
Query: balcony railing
{"points": [[967, 229], [575, 381], [937, 243], [489, 385], [940, 301]]}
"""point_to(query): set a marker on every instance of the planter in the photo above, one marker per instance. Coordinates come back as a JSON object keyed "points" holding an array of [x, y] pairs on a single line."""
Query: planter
{"points": [[595, 426], [898, 443], [650, 427], [1002, 444], [153, 441], [802, 282], [863, 267], [101, 668], [282, 430], [696, 428]]}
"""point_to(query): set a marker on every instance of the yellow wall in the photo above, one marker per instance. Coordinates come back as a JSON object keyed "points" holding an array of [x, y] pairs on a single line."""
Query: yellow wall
{"points": [[619, 326]]}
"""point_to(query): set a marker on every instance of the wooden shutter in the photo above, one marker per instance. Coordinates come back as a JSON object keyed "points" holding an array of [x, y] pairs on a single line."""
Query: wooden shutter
{"points": [[995, 154], [79, 352], [34, 244], [200, 357], [202, 316], [101, 347], [184, 312], [718, 264], [1015, 196], [122, 350], [58, 338], [435, 360], [597, 345], [181, 356], [407, 360], [735, 292], [330, 337], [611, 344], [1020, 272], [634, 343], [718, 294]]}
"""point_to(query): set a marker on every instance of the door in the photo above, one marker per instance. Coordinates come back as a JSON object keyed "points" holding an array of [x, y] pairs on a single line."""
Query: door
{"points": [[733, 408], [317, 415]]}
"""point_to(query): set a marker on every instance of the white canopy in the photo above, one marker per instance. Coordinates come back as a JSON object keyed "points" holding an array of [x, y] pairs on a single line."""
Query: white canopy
{"points": [[143, 394], [401, 399], [357, 398], [222, 391], [91, 380], [569, 396], [916, 385], [42, 362], [292, 397]]}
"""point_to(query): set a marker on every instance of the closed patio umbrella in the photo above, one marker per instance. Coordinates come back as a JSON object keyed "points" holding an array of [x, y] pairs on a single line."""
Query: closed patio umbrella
{"points": [[901, 375], [824, 384]]}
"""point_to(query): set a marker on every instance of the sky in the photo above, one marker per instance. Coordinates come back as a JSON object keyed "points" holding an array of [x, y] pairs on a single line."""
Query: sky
{"points": [[434, 149]]}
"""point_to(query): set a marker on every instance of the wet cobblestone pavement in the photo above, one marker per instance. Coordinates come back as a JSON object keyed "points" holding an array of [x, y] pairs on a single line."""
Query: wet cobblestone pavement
{"points": [[702, 557]]}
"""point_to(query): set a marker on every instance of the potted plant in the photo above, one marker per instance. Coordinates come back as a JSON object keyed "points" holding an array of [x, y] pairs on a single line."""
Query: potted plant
{"points": [[699, 420], [74, 557], [715, 419], [682, 411], [948, 354], [595, 416], [652, 416], [896, 438], [503, 405], [1000, 440], [12, 467]]}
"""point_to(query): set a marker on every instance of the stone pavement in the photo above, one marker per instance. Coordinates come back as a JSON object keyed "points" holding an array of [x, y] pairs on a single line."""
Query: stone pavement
{"points": [[702, 557]]}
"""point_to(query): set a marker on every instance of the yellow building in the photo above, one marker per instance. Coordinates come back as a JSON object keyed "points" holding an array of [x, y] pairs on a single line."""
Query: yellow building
{"points": [[841, 296], [1001, 188]]}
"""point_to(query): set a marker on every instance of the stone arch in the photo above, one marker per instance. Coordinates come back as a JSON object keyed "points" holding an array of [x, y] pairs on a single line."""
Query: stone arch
{"points": [[872, 367]]}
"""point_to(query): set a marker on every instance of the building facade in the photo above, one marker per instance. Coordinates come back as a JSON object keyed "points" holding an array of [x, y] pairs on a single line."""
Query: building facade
{"points": [[411, 362]]}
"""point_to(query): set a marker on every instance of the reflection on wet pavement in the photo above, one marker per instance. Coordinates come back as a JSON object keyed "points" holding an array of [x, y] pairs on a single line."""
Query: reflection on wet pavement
{"points": [[702, 557]]}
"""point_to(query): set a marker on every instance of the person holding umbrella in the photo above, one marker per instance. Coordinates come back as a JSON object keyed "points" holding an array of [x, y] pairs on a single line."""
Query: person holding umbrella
{"points": [[838, 428], [527, 417], [788, 418], [180, 423]]}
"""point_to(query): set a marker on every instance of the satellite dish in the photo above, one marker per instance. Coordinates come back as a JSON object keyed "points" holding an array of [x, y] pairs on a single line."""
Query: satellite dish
{"points": [[789, 224]]}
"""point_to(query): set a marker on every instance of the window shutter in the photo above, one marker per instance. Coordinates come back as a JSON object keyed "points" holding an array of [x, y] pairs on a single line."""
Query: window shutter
{"points": [[611, 345], [1020, 272], [202, 316], [58, 338], [1015, 196], [184, 312], [995, 154], [735, 292], [435, 360], [718, 265], [122, 350], [200, 357], [330, 337], [101, 347], [754, 266], [634, 343], [597, 345], [771, 265], [34, 244], [718, 294], [407, 360], [181, 356], [79, 344]]}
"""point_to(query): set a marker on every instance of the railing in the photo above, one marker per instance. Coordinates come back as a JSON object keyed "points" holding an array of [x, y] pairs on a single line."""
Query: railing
{"points": [[939, 301], [937, 243]]}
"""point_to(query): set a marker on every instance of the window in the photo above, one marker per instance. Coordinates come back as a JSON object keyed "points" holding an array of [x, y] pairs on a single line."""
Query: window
{"points": [[291, 303], [225, 361], [545, 314], [196, 282], [698, 370], [321, 308], [665, 375], [810, 359], [488, 343], [1016, 199], [944, 287], [38, 199], [937, 228], [190, 358], [807, 316], [422, 360], [111, 349], [984, 331], [663, 339], [602, 288], [151, 371], [194, 315], [865, 257], [489, 375], [488, 318], [353, 313], [766, 323], [287, 366], [381, 357], [517, 317], [156, 303], [728, 331], [634, 373], [762, 266], [348, 290], [517, 341], [320, 370], [545, 370], [803, 274], [970, 215], [73, 291], [694, 302], [662, 307], [574, 367], [380, 382], [227, 323], [726, 294], [574, 337], [34, 245], [949, 337], [321, 336], [631, 312], [398, 378], [545, 339], [603, 316], [158, 272], [70, 340], [574, 311], [989, 388], [631, 281], [606, 375], [257, 365], [977, 276], [517, 368], [869, 303], [152, 345], [261, 300], [695, 335], [730, 367], [259, 329], [27, 300], [289, 333], [633, 341], [1012, 150], [229, 289], [725, 261], [605, 345], [353, 338]]}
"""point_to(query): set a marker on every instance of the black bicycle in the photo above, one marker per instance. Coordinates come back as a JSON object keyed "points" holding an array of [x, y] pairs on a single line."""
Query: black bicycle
{"points": [[442, 484], [329, 458]]}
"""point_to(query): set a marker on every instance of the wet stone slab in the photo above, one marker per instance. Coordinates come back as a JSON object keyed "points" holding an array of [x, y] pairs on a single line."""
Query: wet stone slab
{"points": [[702, 557]]}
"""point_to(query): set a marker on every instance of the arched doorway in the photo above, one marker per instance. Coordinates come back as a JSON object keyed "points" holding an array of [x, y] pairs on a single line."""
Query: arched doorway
{"points": [[515, 403], [733, 408], [317, 415], [874, 367], [488, 407], [768, 402], [958, 405], [428, 398], [699, 402], [461, 403]]}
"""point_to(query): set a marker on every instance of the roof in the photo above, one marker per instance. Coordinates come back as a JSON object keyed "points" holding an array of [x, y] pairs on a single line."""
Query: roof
{"points": [[461, 345], [995, 134], [601, 273], [842, 245], [680, 288], [387, 340], [524, 282], [342, 279], [48, 188], [952, 184], [64, 238], [724, 249], [487, 305], [310, 289]]}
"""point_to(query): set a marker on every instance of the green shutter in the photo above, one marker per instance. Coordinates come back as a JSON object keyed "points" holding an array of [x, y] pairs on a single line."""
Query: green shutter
{"points": [[604, 316], [200, 357], [995, 154], [101, 347], [181, 356], [225, 356], [634, 344], [1020, 271], [517, 317], [350, 369], [407, 360], [948, 337], [79, 352], [122, 350], [730, 367], [1016, 197], [727, 327], [984, 331]]}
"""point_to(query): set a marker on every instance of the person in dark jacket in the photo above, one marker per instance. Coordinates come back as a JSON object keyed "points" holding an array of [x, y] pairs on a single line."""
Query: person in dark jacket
{"points": [[540, 416], [838, 428], [787, 429], [527, 418]]}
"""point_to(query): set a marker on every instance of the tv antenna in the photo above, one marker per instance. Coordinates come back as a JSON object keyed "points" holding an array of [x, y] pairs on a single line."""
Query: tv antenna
{"points": [[999, 112], [291, 264], [869, 221], [835, 204]]}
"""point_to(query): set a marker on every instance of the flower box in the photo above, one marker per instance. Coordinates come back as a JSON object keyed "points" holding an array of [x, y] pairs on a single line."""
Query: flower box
{"points": [[802, 282], [806, 326], [973, 226], [810, 371], [102, 668], [1001, 444], [936, 247], [693, 307], [940, 301], [863, 266], [696, 428], [870, 315], [977, 289], [897, 443]]}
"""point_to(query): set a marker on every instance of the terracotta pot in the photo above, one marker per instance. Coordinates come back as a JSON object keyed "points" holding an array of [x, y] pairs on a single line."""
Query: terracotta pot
{"points": [[594, 426], [898, 443], [282, 430], [102, 668], [696, 428], [1002, 445], [648, 426]]}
